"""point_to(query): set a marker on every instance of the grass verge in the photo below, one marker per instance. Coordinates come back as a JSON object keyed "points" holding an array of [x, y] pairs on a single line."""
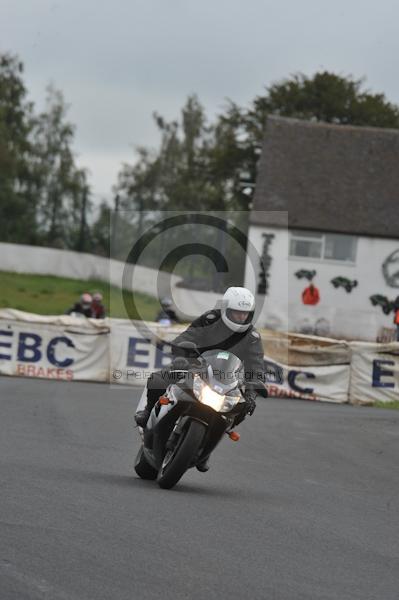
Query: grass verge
{"points": [[394, 404], [49, 295]]}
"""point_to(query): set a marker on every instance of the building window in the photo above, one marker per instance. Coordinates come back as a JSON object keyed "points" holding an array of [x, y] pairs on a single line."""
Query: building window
{"points": [[328, 246], [306, 244]]}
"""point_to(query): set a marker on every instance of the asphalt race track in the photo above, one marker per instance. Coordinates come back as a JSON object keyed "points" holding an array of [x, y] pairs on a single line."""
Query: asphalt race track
{"points": [[305, 506]]}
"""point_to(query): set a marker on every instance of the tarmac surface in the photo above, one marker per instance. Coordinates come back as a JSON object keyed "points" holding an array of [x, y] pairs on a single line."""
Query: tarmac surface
{"points": [[305, 506]]}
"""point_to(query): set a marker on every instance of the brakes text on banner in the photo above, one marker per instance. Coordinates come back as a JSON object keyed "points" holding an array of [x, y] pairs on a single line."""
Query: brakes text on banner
{"points": [[375, 373], [53, 352]]}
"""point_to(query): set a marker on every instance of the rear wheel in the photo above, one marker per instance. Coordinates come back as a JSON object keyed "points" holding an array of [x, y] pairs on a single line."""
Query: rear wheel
{"points": [[178, 460], [143, 467]]}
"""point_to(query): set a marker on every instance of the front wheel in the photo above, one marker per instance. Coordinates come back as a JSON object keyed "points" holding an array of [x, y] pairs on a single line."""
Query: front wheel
{"points": [[177, 461]]}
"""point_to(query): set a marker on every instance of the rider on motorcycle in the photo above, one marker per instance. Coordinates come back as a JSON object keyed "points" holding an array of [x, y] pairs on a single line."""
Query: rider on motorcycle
{"points": [[228, 328], [167, 315]]}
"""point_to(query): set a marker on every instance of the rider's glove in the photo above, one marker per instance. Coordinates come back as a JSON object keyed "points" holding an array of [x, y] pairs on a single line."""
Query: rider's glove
{"points": [[250, 402]]}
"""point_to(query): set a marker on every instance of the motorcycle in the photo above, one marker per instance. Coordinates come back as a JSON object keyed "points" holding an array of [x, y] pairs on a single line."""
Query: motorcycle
{"points": [[189, 420]]}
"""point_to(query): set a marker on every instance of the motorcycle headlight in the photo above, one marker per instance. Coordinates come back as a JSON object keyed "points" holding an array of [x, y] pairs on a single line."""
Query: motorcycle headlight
{"points": [[208, 396]]}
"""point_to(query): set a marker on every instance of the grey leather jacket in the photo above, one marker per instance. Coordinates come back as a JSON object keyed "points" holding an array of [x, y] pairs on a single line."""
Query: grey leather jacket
{"points": [[209, 332]]}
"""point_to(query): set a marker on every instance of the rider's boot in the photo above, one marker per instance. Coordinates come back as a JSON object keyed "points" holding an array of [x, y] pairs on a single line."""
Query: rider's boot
{"points": [[141, 417], [203, 466], [155, 388]]}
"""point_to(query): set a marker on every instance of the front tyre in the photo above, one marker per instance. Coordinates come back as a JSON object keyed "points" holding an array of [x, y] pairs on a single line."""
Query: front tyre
{"points": [[177, 462], [143, 467]]}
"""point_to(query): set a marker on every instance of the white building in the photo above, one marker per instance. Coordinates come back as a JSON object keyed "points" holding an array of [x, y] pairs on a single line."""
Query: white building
{"points": [[326, 200]]}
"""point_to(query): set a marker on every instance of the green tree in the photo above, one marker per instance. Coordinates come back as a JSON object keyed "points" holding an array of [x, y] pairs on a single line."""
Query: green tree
{"points": [[65, 194], [44, 196], [172, 178], [100, 231], [195, 168], [324, 97], [176, 176], [18, 177]]}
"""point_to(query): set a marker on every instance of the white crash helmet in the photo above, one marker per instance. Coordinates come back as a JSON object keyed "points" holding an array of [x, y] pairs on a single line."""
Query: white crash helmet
{"points": [[237, 299], [166, 302], [86, 300]]}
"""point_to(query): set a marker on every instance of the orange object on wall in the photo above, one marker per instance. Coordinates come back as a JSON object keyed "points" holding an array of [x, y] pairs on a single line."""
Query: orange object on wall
{"points": [[311, 295]]}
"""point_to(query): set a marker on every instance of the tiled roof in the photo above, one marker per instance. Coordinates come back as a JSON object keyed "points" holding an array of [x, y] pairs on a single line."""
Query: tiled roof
{"points": [[335, 178]]}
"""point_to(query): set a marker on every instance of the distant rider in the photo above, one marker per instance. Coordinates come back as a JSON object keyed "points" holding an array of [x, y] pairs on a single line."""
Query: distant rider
{"points": [[167, 315], [97, 306], [229, 328], [83, 307]]}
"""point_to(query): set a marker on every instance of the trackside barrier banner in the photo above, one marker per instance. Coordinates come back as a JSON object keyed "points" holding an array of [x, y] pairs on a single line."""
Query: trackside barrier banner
{"points": [[311, 368], [64, 348], [138, 349], [374, 373], [124, 352], [328, 383]]}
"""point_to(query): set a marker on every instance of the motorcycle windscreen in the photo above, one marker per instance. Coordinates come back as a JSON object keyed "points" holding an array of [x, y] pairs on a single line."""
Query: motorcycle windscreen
{"points": [[225, 370]]}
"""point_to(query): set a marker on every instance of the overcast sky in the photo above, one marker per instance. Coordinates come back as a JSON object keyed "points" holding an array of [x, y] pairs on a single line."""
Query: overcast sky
{"points": [[116, 62]]}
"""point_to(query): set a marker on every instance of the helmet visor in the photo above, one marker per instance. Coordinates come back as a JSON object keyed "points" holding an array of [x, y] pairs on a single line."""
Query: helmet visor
{"points": [[240, 317]]}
